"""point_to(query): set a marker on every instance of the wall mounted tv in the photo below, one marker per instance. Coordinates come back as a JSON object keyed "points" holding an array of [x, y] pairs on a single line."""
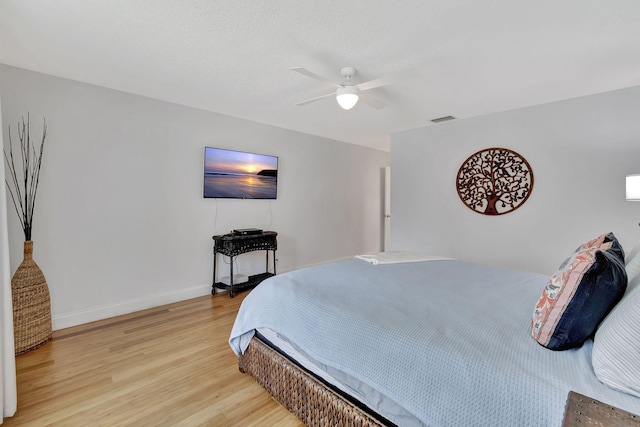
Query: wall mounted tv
{"points": [[232, 174]]}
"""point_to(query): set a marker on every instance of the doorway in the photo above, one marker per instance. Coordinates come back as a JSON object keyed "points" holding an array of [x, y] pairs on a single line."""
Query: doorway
{"points": [[386, 220]]}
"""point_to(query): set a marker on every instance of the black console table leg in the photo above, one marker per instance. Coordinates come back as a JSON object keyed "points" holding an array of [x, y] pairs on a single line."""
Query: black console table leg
{"points": [[231, 293], [213, 282]]}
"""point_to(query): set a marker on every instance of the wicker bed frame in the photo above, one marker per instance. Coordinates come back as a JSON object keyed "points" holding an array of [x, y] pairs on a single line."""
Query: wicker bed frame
{"points": [[318, 405], [305, 396]]}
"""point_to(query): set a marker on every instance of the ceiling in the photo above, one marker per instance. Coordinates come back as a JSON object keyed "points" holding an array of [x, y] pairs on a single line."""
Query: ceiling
{"points": [[442, 57]]}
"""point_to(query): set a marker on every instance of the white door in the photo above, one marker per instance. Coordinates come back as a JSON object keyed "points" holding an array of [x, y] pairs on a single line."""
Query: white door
{"points": [[387, 208]]}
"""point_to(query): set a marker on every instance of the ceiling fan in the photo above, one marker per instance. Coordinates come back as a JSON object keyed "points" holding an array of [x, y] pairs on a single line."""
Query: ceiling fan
{"points": [[347, 92]]}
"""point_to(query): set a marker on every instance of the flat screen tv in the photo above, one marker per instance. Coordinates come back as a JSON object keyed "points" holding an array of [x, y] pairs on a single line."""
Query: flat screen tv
{"points": [[232, 174]]}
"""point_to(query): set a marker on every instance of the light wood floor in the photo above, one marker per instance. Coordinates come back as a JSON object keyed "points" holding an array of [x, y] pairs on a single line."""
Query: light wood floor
{"points": [[167, 366]]}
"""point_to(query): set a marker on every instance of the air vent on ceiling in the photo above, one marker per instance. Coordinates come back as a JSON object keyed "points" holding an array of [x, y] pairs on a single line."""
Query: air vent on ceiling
{"points": [[443, 119]]}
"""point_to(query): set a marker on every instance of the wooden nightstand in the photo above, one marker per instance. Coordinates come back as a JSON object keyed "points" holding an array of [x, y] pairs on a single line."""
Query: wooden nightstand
{"points": [[583, 411]]}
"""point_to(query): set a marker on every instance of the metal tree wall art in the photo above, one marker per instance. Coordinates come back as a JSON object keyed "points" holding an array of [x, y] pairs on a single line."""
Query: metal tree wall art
{"points": [[494, 181], [25, 182]]}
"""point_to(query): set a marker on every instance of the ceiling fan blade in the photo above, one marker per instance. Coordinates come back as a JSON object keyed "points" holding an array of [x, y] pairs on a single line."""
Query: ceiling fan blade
{"points": [[407, 76], [372, 84], [308, 101], [373, 102], [308, 73]]}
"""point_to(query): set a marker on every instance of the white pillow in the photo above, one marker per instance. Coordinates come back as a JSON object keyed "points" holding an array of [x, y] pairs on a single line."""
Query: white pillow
{"points": [[633, 269], [616, 348], [632, 253]]}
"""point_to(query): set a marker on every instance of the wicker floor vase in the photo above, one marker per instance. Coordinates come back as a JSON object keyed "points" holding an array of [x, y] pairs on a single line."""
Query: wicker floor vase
{"points": [[31, 304]]}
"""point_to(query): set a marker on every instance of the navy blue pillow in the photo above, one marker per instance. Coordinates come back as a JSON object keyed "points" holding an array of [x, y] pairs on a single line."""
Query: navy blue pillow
{"points": [[580, 295]]}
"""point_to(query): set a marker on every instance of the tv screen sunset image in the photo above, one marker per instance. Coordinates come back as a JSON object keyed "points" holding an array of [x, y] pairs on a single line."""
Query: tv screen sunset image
{"points": [[239, 175]]}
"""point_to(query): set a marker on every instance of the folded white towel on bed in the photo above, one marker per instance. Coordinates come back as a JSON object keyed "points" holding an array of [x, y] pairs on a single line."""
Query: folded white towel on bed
{"points": [[393, 257]]}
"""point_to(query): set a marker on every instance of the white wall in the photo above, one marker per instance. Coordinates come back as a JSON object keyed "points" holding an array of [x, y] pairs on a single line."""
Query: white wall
{"points": [[120, 221], [580, 151]]}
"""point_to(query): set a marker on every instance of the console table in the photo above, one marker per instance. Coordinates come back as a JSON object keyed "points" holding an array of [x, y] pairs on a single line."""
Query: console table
{"points": [[233, 245]]}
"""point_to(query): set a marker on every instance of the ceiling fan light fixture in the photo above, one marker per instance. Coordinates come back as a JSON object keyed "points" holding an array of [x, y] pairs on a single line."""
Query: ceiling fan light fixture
{"points": [[347, 97]]}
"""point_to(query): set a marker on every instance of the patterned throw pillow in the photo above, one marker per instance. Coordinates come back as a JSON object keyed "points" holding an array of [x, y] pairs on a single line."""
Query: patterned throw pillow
{"points": [[581, 293]]}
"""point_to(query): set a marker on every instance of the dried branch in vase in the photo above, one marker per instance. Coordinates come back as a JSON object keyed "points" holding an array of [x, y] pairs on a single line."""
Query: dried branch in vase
{"points": [[25, 184]]}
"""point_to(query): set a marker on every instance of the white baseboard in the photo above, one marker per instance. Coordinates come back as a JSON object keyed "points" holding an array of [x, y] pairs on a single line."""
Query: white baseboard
{"points": [[68, 320], [125, 307]]}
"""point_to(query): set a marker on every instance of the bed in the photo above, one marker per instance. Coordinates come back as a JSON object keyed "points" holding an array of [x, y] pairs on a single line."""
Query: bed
{"points": [[412, 342]]}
